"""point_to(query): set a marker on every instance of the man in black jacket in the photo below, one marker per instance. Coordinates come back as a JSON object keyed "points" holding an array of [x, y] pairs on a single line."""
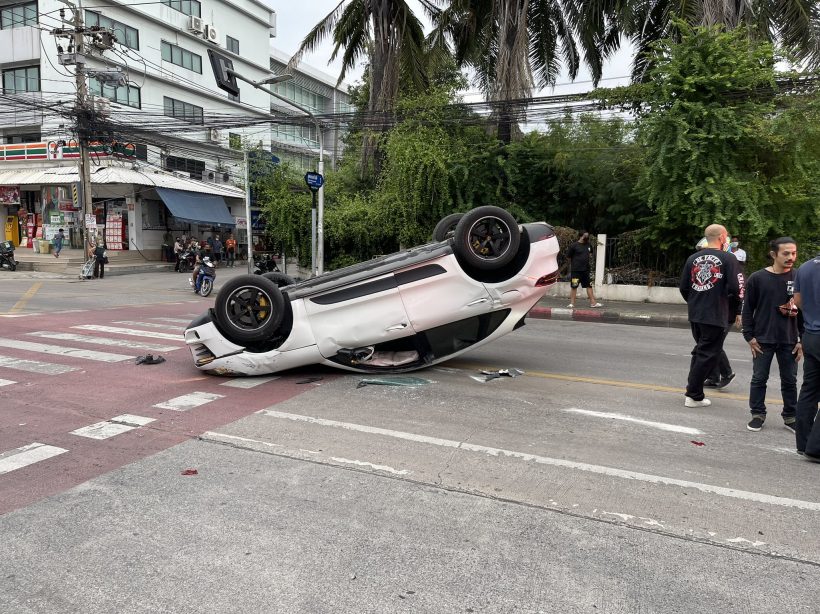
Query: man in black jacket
{"points": [[772, 326], [710, 278]]}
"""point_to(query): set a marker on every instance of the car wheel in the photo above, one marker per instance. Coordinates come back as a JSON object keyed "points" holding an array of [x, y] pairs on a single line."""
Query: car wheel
{"points": [[206, 287], [249, 309], [487, 238], [280, 279], [446, 226]]}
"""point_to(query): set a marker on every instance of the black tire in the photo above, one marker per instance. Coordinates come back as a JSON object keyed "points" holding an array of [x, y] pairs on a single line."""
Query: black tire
{"points": [[12, 266], [280, 279], [206, 287], [487, 238], [249, 309], [446, 226], [183, 266]]}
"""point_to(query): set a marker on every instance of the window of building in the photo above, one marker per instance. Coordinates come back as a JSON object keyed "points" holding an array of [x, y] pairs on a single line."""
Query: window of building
{"points": [[189, 7], [185, 165], [301, 95], [18, 15], [14, 139], [183, 110], [234, 140], [128, 36], [304, 135], [181, 57], [128, 95], [22, 79], [232, 44]]}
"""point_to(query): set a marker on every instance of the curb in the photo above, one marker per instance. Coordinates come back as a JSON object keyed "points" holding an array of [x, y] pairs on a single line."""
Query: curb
{"points": [[609, 317]]}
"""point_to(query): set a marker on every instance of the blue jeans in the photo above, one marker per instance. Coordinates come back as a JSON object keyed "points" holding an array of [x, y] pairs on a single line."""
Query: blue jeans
{"points": [[808, 428], [761, 366]]}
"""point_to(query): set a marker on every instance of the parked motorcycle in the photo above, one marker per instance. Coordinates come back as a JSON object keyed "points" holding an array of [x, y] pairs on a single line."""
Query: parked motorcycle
{"points": [[187, 261], [205, 279], [264, 263], [7, 260]]}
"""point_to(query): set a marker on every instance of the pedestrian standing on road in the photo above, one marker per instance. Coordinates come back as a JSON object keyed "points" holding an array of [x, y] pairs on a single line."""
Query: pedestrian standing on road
{"points": [[772, 326], [230, 248], [709, 279], [807, 298], [217, 250], [579, 254], [167, 245], [177, 253], [722, 375], [739, 253], [58, 242], [100, 260]]}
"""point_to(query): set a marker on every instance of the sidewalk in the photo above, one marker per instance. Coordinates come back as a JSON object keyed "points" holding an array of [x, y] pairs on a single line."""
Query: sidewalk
{"points": [[613, 312], [71, 262]]}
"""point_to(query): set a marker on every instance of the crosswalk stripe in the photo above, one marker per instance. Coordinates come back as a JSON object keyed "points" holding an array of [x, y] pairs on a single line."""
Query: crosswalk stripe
{"points": [[27, 455], [123, 343], [189, 401], [63, 351], [173, 320], [151, 325], [35, 366], [6, 382], [114, 426], [131, 331], [248, 382]]}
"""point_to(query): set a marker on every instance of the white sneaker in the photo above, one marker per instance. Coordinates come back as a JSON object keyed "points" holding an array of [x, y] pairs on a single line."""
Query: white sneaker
{"points": [[690, 402], [596, 305], [571, 306]]}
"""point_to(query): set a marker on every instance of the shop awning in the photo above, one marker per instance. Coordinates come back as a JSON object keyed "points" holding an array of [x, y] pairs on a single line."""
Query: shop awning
{"points": [[196, 207]]}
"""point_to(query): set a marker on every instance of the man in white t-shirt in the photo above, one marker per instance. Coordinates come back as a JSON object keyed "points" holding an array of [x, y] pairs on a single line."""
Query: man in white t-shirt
{"points": [[739, 253]]}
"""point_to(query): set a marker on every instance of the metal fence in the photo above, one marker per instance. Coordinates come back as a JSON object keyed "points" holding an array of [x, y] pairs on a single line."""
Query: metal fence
{"points": [[630, 260]]}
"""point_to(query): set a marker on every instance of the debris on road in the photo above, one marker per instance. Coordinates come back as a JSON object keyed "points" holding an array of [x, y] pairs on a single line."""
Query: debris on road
{"points": [[486, 376], [396, 380], [309, 380], [149, 359], [190, 472], [697, 443]]}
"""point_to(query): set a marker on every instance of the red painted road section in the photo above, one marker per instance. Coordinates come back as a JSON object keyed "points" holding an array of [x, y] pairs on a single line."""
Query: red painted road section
{"points": [[46, 408]]}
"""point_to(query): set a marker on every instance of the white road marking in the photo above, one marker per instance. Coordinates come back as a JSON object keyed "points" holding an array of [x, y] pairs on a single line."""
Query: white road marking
{"points": [[123, 343], [6, 382], [248, 382], [35, 366], [59, 350], [673, 428], [173, 320], [115, 426], [151, 325], [131, 331], [72, 311], [385, 468], [189, 401], [743, 540], [555, 462], [27, 455]]}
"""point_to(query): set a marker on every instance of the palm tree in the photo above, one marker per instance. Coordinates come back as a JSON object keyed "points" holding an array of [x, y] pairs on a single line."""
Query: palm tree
{"points": [[389, 35], [517, 45], [792, 25]]}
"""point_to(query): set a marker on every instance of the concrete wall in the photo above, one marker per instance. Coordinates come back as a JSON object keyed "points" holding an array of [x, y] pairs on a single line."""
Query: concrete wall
{"points": [[618, 292]]}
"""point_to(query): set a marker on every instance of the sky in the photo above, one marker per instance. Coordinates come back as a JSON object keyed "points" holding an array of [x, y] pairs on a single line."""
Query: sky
{"points": [[295, 20]]}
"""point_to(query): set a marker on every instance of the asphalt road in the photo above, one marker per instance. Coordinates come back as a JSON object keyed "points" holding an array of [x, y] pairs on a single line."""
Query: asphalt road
{"points": [[583, 485]]}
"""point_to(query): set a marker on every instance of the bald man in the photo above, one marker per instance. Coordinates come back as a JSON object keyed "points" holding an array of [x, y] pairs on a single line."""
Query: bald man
{"points": [[711, 278]]}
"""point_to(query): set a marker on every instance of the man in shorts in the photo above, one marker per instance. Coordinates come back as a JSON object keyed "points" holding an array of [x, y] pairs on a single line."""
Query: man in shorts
{"points": [[578, 255]]}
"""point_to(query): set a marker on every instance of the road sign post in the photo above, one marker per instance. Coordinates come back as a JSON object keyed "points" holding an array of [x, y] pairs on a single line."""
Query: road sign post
{"points": [[314, 181]]}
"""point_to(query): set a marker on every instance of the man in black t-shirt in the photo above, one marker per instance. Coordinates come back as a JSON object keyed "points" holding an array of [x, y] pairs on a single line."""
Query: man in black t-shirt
{"points": [[710, 278], [772, 326], [578, 255]]}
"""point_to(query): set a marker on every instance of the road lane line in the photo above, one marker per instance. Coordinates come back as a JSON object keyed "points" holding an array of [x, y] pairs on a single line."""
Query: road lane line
{"points": [[6, 382], [358, 463], [248, 382], [35, 366], [151, 325], [60, 350], [130, 331], [672, 428], [27, 455], [555, 462], [173, 320], [123, 343], [21, 304], [612, 382], [189, 401], [114, 426]]}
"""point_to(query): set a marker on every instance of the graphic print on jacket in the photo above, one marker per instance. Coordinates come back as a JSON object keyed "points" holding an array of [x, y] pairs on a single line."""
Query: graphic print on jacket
{"points": [[707, 270]]}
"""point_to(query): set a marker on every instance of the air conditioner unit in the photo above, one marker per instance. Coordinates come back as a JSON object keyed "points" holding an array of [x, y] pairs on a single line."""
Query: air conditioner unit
{"points": [[212, 175], [211, 34], [195, 24], [181, 174], [213, 135]]}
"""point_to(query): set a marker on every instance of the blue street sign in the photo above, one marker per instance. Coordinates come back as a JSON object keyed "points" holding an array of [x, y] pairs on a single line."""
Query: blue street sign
{"points": [[314, 180]]}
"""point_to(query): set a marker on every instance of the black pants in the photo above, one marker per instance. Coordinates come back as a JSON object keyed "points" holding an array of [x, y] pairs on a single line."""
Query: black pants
{"points": [[99, 268], [723, 369], [761, 365], [808, 428], [705, 356]]}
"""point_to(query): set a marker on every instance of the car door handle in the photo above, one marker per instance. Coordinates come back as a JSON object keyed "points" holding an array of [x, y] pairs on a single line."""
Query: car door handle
{"points": [[477, 301], [396, 326]]}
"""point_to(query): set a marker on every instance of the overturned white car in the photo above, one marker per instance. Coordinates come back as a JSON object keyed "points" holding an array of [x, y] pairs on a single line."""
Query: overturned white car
{"points": [[397, 313]]}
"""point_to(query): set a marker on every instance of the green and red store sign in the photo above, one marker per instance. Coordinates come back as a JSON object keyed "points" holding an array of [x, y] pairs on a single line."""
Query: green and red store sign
{"points": [[62, 150]]}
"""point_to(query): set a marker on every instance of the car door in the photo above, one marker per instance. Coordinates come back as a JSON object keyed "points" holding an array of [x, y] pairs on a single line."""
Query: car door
{"points": [[357, 315], [440, 292]]}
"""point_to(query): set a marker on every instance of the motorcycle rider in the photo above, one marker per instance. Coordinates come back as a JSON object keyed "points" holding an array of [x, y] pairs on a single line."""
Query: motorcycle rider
{"points": [[198, 256]]}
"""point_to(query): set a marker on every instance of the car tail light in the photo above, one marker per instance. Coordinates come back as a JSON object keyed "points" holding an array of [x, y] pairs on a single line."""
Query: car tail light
{"points": [[547, 280]]}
